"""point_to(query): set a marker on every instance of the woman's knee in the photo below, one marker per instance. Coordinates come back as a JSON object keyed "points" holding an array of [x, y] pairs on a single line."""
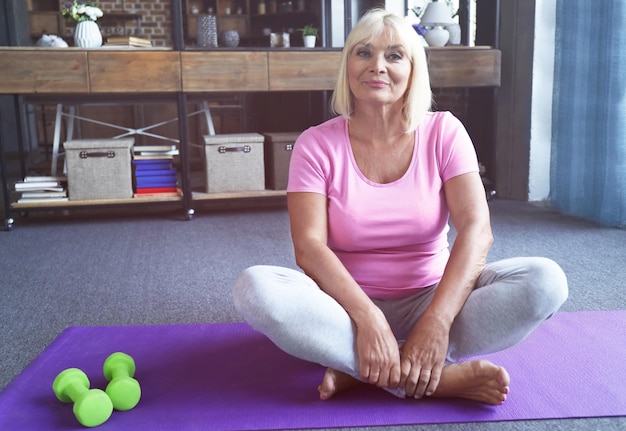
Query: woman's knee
{"points": [[536, 285], [246, 288], [547, 284], [265, 291]]}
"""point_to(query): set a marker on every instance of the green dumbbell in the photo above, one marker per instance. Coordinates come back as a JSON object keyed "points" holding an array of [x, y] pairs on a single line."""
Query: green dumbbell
{"points": [[92, 407], [123, 389]]}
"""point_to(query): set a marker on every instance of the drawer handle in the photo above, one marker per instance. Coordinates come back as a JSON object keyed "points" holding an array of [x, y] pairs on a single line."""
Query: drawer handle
{"points": [[245, 149], [86, 154], [288, 147]]}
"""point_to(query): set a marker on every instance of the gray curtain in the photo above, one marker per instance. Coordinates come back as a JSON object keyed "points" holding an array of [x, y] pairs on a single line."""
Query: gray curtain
{"points": [[588, 177]]}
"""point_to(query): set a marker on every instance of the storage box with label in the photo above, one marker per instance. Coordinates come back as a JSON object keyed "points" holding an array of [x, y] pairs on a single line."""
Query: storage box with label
{"points": [[278, 147], [234, 162], [99, 168]]}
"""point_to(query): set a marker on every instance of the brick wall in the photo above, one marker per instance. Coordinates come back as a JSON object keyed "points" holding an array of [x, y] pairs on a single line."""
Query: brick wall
{"points": [[156, 22]]}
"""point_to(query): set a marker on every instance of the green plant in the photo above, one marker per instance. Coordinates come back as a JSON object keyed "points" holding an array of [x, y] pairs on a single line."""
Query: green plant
{"points": [[308, 30]]}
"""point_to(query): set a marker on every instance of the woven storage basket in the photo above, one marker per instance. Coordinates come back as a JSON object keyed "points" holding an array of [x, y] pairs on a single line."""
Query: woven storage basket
{"points": [[234, 162], [99, 168], [278, 147]]}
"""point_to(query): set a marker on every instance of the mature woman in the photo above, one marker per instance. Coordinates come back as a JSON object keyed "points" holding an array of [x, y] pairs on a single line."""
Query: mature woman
{"points": [[382, 299]]}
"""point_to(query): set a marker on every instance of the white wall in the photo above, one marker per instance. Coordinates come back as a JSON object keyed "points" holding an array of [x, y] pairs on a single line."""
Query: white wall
{"points": [[541, 114], [337, 24]]}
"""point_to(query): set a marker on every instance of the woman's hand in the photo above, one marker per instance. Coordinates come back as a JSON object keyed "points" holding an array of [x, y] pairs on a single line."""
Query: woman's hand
{"points": [[424, 352], [423, 356], [378, 353], [377, 348]]}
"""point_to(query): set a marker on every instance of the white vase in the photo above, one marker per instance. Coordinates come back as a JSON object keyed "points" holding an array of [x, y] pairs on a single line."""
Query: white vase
{"points": [[87, 35], [309, 41], [437, 36]]}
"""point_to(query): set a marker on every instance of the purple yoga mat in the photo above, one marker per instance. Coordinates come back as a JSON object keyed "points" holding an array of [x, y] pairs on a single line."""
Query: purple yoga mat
{"points": [[229, 377]]}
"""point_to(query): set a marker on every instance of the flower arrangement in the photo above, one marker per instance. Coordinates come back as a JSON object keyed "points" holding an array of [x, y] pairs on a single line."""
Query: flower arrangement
{"points": [[80, 12]]}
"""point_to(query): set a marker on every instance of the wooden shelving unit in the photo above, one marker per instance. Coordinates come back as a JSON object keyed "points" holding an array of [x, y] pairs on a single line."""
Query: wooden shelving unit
{"points": [[177, 74], [90, 74]]}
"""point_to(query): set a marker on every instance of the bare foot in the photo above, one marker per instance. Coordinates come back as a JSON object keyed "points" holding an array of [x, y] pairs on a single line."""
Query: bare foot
{"points": [[478, 380], [335, 381]]}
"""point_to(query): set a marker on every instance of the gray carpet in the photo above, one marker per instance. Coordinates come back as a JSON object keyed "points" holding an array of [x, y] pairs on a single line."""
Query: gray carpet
{"points": [[154, 268]]}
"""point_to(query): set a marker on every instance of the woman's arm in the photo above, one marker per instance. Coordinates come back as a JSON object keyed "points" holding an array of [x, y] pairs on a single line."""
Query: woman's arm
{"points": [[424, 352], [377, 349]]}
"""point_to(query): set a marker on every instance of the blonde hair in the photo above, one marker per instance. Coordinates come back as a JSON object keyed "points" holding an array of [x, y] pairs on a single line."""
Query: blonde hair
{"points": [[418, 97]]}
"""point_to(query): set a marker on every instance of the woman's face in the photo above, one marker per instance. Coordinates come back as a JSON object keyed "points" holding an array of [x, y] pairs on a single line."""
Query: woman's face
{"points": [[379, 71]]}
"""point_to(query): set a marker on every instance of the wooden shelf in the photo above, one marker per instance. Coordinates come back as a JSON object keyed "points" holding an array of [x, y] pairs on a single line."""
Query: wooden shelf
{"points": [[196, 197], [199, 196], [95, 202], [48, 22]]}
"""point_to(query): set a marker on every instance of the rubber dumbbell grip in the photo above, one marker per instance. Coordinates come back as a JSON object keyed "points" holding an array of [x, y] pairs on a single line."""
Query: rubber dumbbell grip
{"points": [[74, 391], [119, 373]]}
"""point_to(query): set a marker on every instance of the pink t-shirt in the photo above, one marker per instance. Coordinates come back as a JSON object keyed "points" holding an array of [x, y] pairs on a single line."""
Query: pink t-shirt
{"points": [[391, 237]]}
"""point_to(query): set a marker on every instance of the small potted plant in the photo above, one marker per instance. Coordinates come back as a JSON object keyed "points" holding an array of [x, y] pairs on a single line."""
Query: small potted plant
{"points": [[309, 34]]}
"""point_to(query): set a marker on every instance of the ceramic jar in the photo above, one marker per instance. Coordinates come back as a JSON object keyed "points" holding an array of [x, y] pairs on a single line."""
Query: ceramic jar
{"points": [[229, 39]]}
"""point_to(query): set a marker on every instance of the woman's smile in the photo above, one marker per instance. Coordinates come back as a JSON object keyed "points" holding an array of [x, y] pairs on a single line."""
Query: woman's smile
{"points": [[376, 83]]}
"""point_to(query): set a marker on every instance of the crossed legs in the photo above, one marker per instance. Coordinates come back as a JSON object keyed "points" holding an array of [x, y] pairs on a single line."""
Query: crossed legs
{"points": [[512, 297]]}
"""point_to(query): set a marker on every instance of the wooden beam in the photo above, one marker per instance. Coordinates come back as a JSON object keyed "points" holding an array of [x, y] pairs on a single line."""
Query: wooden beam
{"points": [[224, 71], [448, 67], [32, 71], [98, 71], [293, 71], [134, 71], [463, 67]]}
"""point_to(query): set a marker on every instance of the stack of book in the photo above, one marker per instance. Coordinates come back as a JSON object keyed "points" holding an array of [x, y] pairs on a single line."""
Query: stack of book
{"points": [[154, 173], [128, 41], [42, 189]]}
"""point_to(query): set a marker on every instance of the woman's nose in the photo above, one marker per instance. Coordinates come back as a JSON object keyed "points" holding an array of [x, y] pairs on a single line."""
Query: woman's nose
{"points": [[378, 64]]}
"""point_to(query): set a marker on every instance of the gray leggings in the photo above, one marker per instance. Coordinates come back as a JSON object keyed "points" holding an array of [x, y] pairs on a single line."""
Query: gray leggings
{"points": [[511, 298]]}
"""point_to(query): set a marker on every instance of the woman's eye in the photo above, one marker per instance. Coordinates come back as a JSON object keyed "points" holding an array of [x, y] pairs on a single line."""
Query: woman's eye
{"points": [[362, 53], [395, 57]]}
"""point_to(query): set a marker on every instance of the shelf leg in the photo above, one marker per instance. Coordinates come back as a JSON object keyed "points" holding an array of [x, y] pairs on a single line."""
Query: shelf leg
{"points": [[208, 117], [56, 139], [5, 182], [183, 134]]}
